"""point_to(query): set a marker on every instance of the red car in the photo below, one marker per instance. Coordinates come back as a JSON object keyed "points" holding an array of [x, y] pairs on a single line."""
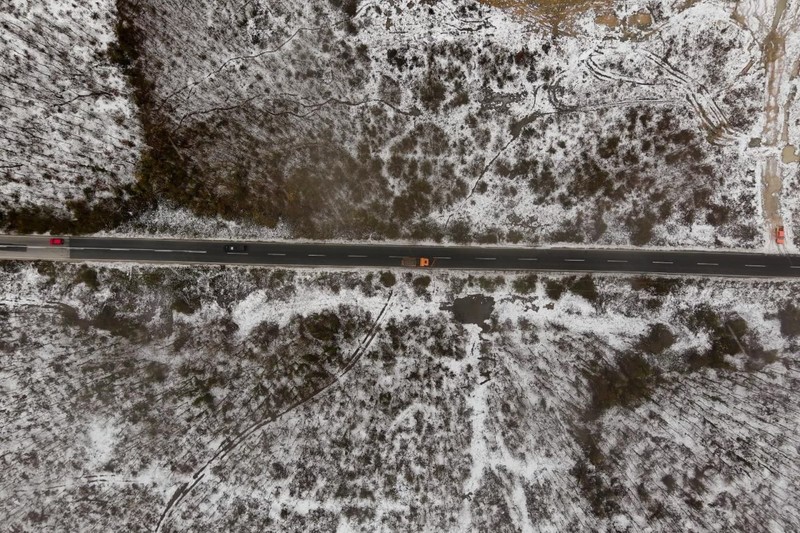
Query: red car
{"points": [[780, 235], [56, 241]]}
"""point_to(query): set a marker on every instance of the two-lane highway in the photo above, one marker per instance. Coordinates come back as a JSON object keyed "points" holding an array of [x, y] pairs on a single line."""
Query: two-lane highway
{"points": [[387, 256]]}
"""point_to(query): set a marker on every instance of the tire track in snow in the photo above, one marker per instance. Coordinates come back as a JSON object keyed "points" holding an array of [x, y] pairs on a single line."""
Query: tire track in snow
{"points": [[711, 115]]}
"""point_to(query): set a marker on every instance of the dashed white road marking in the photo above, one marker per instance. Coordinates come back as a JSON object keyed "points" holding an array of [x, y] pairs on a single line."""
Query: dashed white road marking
{"points": [[277, 254], [161, 251], [135, 250]]}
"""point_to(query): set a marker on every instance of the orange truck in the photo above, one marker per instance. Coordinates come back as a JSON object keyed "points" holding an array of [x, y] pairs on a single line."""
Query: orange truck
{"points": [[416, 262], [780, 235]]}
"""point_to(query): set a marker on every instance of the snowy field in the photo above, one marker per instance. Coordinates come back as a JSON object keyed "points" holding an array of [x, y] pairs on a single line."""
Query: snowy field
{"points": [[184, 399]]}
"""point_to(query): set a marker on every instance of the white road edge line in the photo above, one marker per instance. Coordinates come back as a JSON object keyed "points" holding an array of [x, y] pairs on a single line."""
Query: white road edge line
{"points": [[575, 260], [709, 264], [756, 266], [662, 262]]}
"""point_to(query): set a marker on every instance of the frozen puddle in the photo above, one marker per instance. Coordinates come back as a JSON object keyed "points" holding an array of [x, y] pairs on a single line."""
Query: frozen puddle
{"points": [[473, 309]]}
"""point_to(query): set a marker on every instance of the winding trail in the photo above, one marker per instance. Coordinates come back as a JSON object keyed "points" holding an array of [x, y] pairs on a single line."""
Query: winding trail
{"points": [[230, 444]]}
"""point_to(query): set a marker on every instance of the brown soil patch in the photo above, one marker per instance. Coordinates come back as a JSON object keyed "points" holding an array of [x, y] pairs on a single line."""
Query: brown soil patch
{"points": [[557, 15], [790, 154], [640, 20], [607, 19]]}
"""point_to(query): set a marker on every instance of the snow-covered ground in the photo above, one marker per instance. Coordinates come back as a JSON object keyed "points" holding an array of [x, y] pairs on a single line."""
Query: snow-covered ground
{"points": [[228, 399], [217, 399], [603, 123], [70, 132], [462, 121]]}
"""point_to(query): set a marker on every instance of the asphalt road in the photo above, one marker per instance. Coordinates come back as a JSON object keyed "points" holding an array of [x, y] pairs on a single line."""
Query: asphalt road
{"points": [[386, 256]]}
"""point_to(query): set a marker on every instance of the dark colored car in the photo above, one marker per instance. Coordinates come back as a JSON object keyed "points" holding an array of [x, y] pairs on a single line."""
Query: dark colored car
{"points": [[236, 248], [56, 241]]}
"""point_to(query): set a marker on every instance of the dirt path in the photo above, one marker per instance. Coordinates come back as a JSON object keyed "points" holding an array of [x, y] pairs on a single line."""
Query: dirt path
{"points": [[775, 134], [772, 182]]}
